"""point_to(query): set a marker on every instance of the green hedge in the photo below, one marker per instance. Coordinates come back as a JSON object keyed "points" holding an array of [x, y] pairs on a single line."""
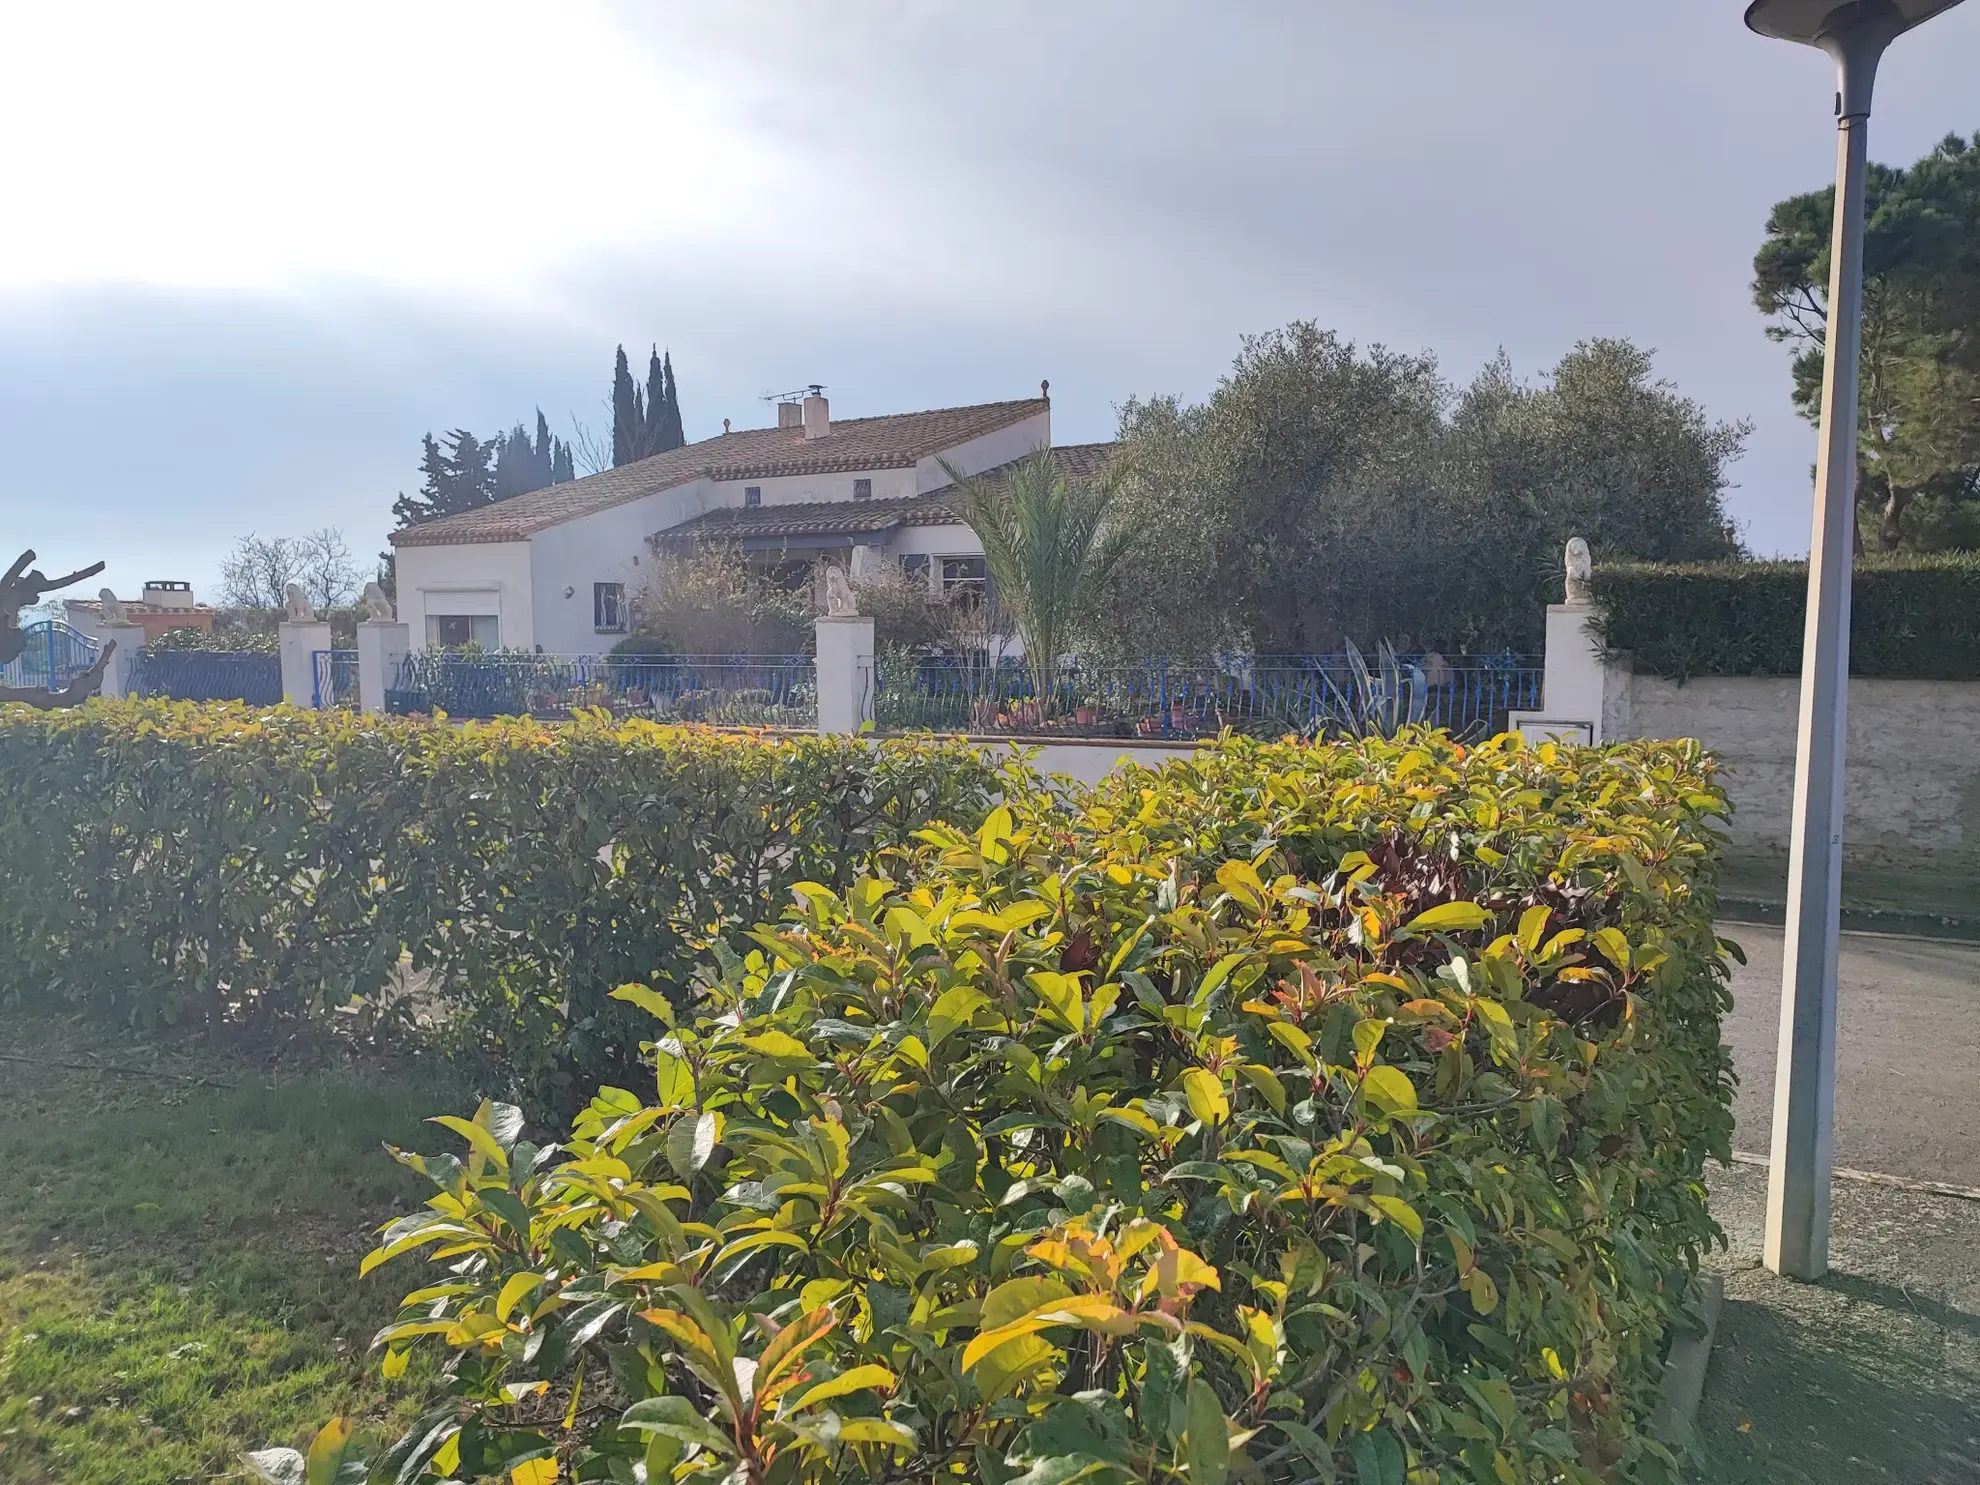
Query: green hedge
{"points": [[171, 862], [1912, 618], [1290, 1114]]}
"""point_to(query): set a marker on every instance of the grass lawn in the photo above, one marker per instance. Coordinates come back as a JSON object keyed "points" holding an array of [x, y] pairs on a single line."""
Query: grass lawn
{"points": [[179, 1245]]}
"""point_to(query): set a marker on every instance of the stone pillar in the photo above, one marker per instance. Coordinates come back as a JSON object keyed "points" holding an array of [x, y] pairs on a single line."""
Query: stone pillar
{"points": [[122, 670], [845, 673], [300, 642], [381, 647]]}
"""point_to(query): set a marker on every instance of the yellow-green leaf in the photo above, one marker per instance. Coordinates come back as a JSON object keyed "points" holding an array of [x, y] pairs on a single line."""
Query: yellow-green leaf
{"points": [[876, 1431], [1401, 1213], [651, 1001], [1449, 917], [868, 1378], [1206, 1096], [513, 1290], [1614, 947], [1390, 1088], [779, 1044]]}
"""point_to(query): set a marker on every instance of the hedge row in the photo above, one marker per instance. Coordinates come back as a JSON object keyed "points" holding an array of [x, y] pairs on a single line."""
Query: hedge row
{"points": [[1290, 1114], [171, 862], [1912, 617]]}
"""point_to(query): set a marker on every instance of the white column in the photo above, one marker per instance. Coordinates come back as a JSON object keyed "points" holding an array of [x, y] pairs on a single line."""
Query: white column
{"points": [[845, 673], [1575, 684], [129, 638], [380, 647], [300, 642]]}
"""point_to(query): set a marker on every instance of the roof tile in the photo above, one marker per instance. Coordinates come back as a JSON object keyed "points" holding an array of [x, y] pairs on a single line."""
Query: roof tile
{"points": [[938, 507], [896, 441]]}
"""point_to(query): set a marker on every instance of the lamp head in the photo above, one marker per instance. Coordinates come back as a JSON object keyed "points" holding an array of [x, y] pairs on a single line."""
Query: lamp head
{"points": [[1812, 22]]}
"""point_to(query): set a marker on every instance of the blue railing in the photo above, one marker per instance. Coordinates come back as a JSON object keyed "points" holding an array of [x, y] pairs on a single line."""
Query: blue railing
{"points": [[1271, 696], [336, 677], [209, 675], [727, 690], [54, 655]]}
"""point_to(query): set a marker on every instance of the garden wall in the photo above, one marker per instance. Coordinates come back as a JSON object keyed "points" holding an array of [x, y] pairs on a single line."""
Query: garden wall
{"points": [[1913, 783]]}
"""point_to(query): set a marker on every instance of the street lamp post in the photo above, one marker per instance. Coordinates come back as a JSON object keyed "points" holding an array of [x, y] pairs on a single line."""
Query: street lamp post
{"points": [[1854, 33]]}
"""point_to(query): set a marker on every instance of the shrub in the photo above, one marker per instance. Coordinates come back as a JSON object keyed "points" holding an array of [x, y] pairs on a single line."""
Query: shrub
{"points": [[710, 600], [1911, 617], [174, 863], [228, 641], [1309, 1113]]}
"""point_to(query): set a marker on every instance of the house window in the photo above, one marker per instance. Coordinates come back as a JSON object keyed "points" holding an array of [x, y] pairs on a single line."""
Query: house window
{"points": [[915, 565], [451, 631], [608, 608], [964, 579], [752, 496], [862, 489]]}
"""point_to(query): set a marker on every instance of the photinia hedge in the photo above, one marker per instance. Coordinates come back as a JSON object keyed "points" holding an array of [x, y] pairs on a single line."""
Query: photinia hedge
{"points": [[1293, 1113], [176, 862]]}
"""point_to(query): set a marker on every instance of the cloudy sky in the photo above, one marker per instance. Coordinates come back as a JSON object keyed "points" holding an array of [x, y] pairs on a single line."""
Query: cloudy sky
{"points": [[253, 251]]}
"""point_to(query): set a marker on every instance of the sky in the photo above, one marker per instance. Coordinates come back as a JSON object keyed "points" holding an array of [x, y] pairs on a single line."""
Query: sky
{"points": [[253, 252]]}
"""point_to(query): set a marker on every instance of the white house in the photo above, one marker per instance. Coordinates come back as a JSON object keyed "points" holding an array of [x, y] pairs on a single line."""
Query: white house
{"points": [[554, 570]]}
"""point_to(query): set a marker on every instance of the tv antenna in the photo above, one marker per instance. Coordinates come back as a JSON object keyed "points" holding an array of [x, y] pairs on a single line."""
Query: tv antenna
{"points": [[813, 389]]}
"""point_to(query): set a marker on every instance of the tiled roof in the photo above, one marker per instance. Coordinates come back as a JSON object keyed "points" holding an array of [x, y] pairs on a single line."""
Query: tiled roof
{"points": [[814, 518], [897, 441], [862, 517]]}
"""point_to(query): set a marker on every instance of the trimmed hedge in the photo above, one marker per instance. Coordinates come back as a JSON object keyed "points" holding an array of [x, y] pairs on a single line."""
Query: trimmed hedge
{"points": [[1911, 617], [1289, 1114], [170, 862]]}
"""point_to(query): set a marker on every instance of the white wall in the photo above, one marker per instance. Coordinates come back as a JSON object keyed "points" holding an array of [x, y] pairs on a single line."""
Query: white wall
{"points": [[607, 546], [987, 452], [805, 489], [491, 577], [951, 539]]}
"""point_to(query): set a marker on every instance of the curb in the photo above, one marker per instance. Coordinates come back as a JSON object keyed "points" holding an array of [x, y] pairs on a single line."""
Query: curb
{"points": [[1888, 921], [1876, 1178], [1684, 1370]]}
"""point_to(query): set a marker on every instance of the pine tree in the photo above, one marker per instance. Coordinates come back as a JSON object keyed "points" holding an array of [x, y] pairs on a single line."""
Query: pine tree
{"points": [[672, 435], [458, 477]]}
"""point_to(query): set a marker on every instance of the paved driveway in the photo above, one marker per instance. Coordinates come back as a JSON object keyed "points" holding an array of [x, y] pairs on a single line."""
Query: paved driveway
{"points": [[1907, 1052]]}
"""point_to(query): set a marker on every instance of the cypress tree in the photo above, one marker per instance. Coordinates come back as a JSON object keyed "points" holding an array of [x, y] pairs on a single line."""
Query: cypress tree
{"points": [[656, 407], [672, 435], [628, 416]]}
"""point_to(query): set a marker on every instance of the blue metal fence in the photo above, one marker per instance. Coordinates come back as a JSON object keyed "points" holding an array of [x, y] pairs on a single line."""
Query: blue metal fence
{"points": [[209, 675], [54, 655], [730, 690], [1271, 696], [336, 677]]}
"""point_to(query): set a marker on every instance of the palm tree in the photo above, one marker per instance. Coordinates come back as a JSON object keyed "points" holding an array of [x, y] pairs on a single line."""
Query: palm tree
{"points": [[1048, 550]]}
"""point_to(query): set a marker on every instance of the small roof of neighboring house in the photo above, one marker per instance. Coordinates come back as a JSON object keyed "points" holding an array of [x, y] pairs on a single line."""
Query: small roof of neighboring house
{"points": [[862, 517], [897, 441]]}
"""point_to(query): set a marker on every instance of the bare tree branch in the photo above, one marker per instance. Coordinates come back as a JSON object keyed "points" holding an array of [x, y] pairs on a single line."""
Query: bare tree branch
{"points": [[79, 690], [21, 588]]}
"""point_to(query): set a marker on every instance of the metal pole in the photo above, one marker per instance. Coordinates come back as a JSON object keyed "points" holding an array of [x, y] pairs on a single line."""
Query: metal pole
{"points": [[1805, 1076]]}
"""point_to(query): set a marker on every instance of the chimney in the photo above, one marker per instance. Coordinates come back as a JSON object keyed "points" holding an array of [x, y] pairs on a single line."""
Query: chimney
{"points": [[790, 415], [817, 415], [168, 594]]}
